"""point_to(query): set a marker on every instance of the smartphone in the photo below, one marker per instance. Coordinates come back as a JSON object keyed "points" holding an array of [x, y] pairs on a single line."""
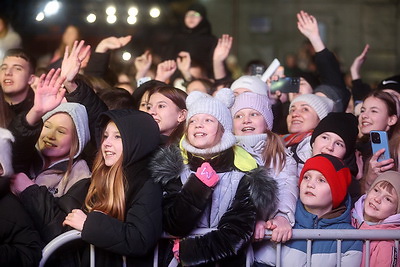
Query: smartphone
{"points": [[286, 85], [379, 140]]}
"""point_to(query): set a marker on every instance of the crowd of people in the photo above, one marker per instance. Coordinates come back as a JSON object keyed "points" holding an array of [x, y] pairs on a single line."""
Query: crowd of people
{"points": [[187, 149]]}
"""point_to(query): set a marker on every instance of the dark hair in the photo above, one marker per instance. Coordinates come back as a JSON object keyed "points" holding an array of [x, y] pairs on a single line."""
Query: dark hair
{"points": [[206, 83], [18, 52], [178, 97], [117, 98]]}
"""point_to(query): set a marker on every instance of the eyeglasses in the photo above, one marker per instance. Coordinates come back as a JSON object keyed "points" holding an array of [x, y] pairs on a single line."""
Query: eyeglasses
{"points": [[193, 14]]}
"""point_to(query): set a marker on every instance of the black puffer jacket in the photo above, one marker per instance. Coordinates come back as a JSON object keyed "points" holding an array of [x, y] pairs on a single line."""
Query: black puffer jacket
{"points": [[20, 243], [185, 204]]}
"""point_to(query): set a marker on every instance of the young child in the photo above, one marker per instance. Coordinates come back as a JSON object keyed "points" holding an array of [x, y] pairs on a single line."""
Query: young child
{"points": [[323, 204], [380, 209]]}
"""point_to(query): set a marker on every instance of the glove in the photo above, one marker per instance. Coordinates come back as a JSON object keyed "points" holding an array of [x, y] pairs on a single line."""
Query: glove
{"points": [[207, 175], [175, 249]]}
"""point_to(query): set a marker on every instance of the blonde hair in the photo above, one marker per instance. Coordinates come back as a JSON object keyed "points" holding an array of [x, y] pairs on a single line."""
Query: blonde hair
{"points": [[274, 152], [107, 188]]}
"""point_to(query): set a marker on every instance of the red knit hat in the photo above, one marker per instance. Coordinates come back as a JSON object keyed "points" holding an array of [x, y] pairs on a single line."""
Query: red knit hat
{"points": [[335, 172]]}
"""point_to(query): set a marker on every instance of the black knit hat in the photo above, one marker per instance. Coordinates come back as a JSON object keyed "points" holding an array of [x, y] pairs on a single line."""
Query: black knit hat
{"points": [[390, 83], [343, 124]]}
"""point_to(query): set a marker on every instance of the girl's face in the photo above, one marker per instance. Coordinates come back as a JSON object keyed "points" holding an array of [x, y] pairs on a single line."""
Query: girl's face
{"points": [[144, 101], [329, 143], [315, 193], [301, 118], [56, 137], [204, 131], [379, 204], [248, 122], [374, 116], [165, 112], [192, 19], [111, 147]]}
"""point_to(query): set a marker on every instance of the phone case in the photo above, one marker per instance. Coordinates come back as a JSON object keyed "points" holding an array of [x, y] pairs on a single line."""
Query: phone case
{"points": [[379, 140]]}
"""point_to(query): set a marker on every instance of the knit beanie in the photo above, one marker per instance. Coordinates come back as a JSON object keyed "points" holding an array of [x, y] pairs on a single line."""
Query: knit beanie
{"points": [[261, 103], [393, 178], [343, 124], [6, 138], [80, 118], [332, 92], [218, 107], [335, 172], [253, 83], [321, 105]]}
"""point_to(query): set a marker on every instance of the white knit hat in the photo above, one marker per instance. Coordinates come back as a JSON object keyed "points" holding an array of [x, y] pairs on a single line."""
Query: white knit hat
{"points": [[253, 83], [321, 105], [218, 107], [80, 118], [6, 138], [261, 103]]}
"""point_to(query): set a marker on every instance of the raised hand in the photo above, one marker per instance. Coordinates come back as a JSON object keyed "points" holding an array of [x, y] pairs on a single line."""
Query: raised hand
{"points": [[143, 64], [358, 62], [308, 26], [72, 61], [48, 95], [183, 62], [223, 48], [165, 70], [112, 43]]}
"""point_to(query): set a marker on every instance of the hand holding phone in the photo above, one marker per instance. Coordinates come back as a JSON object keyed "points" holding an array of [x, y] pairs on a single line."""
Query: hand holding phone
{"points": [[286, 85], [379, 140]]}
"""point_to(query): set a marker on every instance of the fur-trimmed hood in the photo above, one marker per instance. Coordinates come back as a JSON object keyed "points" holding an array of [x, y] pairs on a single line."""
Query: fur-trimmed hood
{"points": [[168, 164]]}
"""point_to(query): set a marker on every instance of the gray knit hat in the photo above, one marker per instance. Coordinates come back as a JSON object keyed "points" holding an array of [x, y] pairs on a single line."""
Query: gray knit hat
{"points": [[393, 178], [80, 118], [321, 105], [6, 138], [253, 83], [261, 103], [218, 107]]}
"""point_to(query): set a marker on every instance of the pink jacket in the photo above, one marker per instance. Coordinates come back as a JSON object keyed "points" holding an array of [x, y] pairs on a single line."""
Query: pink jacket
{"points": [[382, 253]]}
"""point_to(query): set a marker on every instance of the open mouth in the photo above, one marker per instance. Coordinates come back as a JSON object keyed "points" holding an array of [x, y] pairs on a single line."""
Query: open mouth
{"points": [[199, 134], [48, 144], [248, 129]]}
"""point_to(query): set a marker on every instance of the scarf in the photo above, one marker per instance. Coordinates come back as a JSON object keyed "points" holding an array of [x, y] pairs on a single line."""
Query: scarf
{"points": [[295, 138]]}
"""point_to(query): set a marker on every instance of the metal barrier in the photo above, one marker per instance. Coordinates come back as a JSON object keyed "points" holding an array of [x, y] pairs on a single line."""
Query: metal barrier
{"points": [[304, 234]]}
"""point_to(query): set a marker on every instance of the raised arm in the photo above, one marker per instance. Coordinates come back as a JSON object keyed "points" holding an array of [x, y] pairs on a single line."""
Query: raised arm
{"points": [[165, 70], [308, 26], [221, 52]]}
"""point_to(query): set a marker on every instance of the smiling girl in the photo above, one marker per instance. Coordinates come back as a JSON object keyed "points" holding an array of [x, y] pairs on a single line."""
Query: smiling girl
{"points": [[210, 183]]}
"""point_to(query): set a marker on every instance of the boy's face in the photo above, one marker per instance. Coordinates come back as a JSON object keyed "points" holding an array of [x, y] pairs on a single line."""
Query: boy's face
{"points": [[315, 193], [379, 204], [15, 76]]}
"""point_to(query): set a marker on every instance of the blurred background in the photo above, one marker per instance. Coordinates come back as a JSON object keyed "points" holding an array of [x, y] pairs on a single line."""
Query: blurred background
{"points": [[262, 29]]}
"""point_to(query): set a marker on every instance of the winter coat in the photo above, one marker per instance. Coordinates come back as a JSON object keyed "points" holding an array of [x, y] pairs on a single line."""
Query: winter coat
{"points": [[136, 236], [294, 252], [382, 253], [287, 181], [20, 243], [232, 206]]}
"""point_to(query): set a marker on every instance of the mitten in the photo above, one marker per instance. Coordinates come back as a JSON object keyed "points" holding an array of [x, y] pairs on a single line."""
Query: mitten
{"points": [[207, 175]]}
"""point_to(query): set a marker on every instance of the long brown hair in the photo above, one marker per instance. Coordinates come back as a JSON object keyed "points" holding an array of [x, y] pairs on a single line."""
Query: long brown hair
{"points": [[178, 97], [274, 152], [107, 189]]}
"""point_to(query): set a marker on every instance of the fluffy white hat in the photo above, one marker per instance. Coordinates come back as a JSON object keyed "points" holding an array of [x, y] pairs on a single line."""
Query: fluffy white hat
{"points": [[253, 83], [218, 106], [6, 138]]}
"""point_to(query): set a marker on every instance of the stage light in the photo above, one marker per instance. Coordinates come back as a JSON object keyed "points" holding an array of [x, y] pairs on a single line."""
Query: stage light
{"points": [[40, 16], [131, 20], [91, 18], [126, 56], [111, 10], [155, 12], [111, 19], [51, 8], [133, 11]]}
